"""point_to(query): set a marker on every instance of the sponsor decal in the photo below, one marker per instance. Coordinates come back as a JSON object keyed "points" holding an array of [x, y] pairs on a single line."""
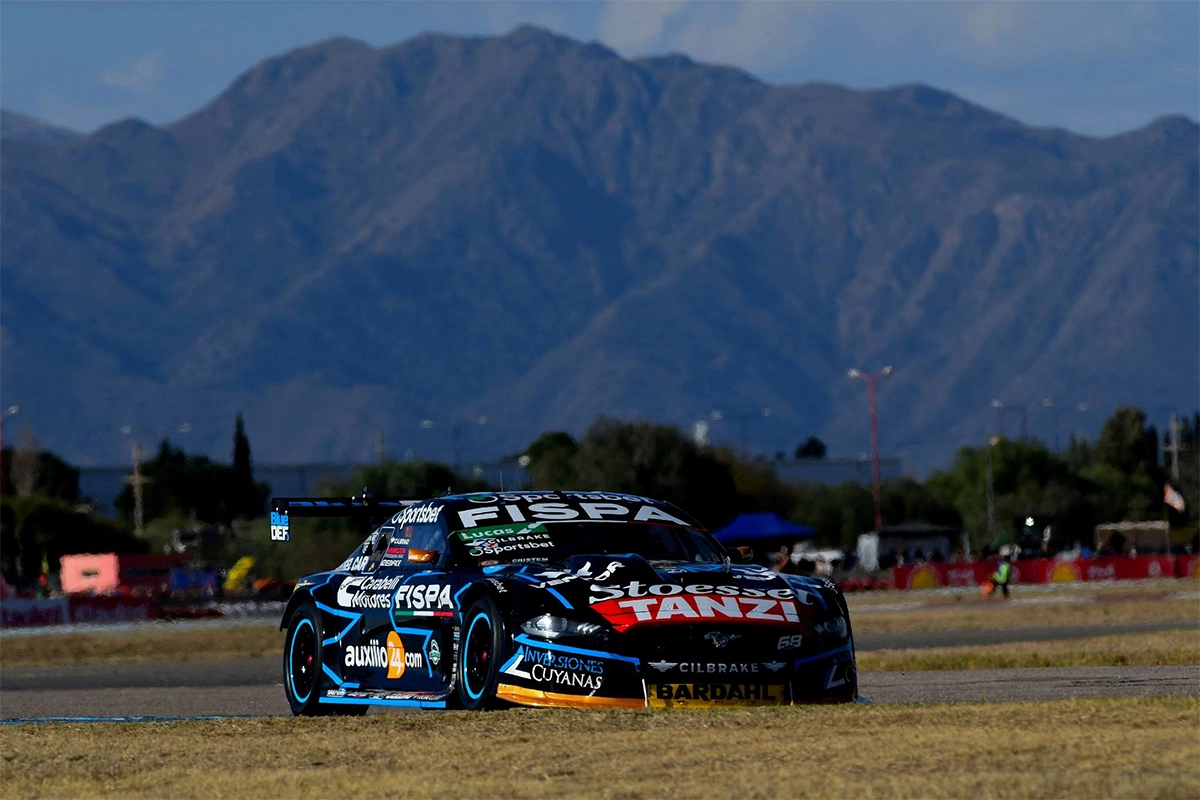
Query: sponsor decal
{"points": [[354, 563], [718, 639], [562, 669], [279, 527], [790, 642], [840, 674], [499, 530], [396, 550], [390, 655], [1063, 572], [924, 577], [524, 541], [562, 512], [423, 600], [664, 695], [392, 562], [435, 652], [636, 602], [366, 592], [499, 587], [418, 515], [710, 668]]}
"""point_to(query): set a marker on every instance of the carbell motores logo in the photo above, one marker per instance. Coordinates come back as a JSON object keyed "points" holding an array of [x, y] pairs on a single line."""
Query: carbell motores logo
{"points": [[366, 592], [391, 655], [279, 527]]}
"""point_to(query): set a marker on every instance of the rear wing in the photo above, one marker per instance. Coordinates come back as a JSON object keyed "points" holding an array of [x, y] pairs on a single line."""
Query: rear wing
{"points": [[361, 506]]}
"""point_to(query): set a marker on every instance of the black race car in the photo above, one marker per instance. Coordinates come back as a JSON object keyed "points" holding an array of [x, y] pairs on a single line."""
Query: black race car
{"points": [[578, 599]]}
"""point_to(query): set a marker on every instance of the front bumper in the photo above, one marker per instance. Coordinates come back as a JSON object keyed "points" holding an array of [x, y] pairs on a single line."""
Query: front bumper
{"points": [[671, 671]]}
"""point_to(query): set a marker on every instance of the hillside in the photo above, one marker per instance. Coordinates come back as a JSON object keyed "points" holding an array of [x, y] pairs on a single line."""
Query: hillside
{"points": [[352, 239]]}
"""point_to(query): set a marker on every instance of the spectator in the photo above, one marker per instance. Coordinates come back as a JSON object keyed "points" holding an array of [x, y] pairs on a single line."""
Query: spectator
{"points": [[1001, 576]]}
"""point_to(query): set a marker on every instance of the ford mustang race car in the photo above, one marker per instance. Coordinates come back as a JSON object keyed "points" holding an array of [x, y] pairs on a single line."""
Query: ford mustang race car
{"points": [[577, 599]]}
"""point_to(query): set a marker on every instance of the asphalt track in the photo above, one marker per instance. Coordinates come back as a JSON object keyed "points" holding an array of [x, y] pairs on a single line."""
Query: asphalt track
{"points": [[251, 687]]}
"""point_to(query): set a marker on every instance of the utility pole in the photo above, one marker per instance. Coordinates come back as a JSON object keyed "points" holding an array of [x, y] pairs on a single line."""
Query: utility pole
{"points": [[137, 480], [871, 379], [991, 503], [1174, 447], [8, 412]]}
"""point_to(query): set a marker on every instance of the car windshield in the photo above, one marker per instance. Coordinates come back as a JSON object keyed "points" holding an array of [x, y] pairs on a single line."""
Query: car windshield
{"points": [[556, 542]]}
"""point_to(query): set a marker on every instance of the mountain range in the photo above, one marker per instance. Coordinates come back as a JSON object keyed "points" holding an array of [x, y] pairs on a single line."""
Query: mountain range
{"points": [[350, 240]]}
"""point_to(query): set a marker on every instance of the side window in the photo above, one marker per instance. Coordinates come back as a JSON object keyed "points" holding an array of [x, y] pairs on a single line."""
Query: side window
{"points": [[426, 543]]}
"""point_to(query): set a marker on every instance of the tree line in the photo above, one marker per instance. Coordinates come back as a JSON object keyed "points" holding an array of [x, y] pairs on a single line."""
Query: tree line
{"points": [[1121, 476]]}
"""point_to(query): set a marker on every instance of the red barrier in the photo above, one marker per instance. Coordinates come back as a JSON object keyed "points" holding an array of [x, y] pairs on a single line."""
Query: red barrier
{"points": [[109, 609], [1044, 570], [29, 613], [1187, 566]]}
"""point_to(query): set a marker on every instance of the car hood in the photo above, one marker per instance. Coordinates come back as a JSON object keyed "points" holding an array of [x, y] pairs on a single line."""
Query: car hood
{"points": [[628, 591]]}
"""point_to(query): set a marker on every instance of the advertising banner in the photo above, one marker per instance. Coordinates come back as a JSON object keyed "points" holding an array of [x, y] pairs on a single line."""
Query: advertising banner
{"points": [[1044, 570], [109, 609], [29, 613]]}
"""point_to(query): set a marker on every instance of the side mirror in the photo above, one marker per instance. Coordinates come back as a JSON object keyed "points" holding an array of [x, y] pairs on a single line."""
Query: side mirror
{"points": [[742, 555]]}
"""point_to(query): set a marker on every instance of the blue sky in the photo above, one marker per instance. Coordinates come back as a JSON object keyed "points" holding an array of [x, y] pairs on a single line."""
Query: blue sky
{"points": [[1094, 67]]}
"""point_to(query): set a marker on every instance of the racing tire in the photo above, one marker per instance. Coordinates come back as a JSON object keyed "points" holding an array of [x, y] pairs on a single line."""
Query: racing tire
{"points": [[302, 667], [480, 656]]}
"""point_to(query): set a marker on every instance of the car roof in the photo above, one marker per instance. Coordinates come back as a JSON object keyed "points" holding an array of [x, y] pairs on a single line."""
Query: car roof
{"points": [[500, 508]]}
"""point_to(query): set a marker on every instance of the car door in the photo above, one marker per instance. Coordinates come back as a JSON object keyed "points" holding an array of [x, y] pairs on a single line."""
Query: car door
{"points": [[412, 631]]}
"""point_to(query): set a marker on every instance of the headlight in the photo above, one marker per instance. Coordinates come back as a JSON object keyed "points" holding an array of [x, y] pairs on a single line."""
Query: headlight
{"points": [[833, 628], [549, 627]]}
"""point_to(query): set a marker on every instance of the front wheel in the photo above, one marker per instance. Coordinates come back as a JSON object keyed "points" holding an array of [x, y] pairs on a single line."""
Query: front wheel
{"points": [[480, 655]]}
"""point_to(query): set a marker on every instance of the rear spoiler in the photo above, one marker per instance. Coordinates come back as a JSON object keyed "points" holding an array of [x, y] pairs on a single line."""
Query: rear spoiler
{"points": [[361, 506]]}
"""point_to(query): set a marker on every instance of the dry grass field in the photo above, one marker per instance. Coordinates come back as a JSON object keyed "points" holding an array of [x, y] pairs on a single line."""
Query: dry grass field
{"points": [[1103, 605], [148, 643], [1077, 748], [998, 614], [1122, 650]]}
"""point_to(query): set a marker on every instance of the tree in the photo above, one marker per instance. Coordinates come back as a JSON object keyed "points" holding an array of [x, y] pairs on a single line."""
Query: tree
{"points": [[811, 448], [1127, 444], [550, 459], [50, 476], [249, 498], [656, 461]]}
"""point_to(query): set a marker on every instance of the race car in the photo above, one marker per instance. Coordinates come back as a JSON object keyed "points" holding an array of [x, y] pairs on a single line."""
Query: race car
{"points": [[570, 599]]}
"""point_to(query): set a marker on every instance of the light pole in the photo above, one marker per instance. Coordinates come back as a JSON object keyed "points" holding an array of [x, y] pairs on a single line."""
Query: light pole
{"points": [[1058, 415], [137, 481], [743, 419], [8, 412], [456, 430], [991, 503], [871, 379]]}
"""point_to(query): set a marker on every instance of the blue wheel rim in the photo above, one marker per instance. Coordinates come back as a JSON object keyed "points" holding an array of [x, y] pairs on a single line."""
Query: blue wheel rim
{"points": [[306, 662], [481, 668]]}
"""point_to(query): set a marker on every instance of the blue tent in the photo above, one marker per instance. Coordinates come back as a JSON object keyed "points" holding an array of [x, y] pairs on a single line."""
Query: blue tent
{"points": [[767, 525]]}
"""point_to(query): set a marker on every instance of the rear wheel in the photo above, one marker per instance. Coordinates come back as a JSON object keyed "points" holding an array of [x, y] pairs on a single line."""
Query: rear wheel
{"points": [[302, 666], [480, 655]]}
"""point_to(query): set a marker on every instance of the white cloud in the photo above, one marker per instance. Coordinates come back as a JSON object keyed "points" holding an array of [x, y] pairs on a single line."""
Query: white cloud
{"points": [[143, 75], [757, 36], [633, 27]]}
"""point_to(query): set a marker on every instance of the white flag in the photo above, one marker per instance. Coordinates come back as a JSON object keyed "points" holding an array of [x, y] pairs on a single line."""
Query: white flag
{"points": [[1173, 498]]}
